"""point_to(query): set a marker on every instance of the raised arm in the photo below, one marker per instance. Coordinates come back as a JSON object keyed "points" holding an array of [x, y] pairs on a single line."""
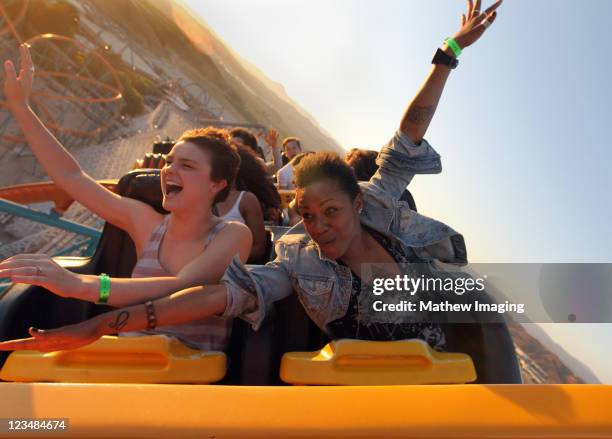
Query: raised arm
{"points": [[408, 154], [419, 113], [57, 161], [207, 268], [271, 139]]}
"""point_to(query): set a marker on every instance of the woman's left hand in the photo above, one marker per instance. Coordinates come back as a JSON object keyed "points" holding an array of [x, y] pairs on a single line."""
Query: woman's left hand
{"points": [[475, 23], [17, 88], [41, 270], [60, 339]]}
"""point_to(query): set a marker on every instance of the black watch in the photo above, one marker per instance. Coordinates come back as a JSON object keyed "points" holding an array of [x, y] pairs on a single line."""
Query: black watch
{"points": [[446, 60]]}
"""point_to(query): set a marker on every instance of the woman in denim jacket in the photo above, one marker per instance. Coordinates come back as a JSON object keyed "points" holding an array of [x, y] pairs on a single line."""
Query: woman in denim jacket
{"points": [[344, 227]]}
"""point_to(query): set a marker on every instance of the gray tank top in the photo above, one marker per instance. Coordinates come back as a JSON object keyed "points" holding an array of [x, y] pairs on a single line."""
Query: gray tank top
{"points": [[211, 333]]}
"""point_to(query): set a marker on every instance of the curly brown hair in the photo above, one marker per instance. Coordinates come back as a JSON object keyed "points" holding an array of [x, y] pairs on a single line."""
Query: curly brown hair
{"points": [[253, 177], [363, 162]]}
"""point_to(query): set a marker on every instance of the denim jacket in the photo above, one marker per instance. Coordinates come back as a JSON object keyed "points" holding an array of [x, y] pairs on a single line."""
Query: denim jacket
{"points": [[324, 286]]}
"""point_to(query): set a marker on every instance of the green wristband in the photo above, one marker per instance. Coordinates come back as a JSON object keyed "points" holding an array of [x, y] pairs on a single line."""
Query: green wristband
{"points": [[104, 289], [454, 46]]}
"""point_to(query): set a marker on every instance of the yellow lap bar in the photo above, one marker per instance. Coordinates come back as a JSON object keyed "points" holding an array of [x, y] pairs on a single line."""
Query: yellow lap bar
{"points": [[143, 360], [357, 362]]}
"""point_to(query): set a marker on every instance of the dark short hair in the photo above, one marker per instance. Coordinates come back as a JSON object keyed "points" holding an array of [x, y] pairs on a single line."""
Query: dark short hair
{"points": [[225, 161], [246, 136], [326, 166], [291, 139], [363, 162]]}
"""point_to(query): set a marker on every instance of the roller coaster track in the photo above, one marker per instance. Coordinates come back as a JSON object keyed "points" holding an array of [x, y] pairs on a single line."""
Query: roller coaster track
{"points": [[68, 74], [77, 232], [43, 192], [78, 228]]}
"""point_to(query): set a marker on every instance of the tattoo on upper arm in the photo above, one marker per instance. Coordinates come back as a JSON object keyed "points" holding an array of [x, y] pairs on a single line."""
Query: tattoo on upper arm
{"points": [[121, 321], [420, 115]]}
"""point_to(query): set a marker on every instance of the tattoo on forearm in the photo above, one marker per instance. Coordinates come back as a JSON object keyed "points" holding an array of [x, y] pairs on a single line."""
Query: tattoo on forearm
{"points": [[420, 115], [121, 321]]}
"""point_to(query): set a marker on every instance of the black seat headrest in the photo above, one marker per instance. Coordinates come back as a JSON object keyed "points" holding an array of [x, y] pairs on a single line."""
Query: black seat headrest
{"points": [[163, 146], [143, 185]]}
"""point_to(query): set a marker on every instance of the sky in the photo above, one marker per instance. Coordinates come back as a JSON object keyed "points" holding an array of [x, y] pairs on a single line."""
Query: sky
{"points": [[522, 125]]}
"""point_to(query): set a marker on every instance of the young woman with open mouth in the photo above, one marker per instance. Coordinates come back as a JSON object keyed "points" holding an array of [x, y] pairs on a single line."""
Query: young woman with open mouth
{"points": [[189, 246]]}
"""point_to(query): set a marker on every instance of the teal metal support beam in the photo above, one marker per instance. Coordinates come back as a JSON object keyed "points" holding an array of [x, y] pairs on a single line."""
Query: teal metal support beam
{"points": [[48, 219]]}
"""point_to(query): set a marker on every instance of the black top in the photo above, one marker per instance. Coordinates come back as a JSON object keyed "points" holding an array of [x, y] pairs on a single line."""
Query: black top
{"points": [[350, 325]]}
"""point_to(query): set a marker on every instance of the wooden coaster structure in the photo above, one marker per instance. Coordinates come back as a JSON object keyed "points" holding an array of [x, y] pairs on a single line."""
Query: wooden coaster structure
{"points": [[72, 79]]}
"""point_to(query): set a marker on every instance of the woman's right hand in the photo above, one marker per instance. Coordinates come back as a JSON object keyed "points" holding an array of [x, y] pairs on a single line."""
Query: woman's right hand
{"points": [[17, 88], [475, 23]]}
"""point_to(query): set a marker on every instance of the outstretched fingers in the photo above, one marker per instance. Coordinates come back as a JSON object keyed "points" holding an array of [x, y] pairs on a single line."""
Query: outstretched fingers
{"points": [[476, 9], [23, 344], [491, 18], [15, 264], [25, 257], [25, 275], [24, 270], [9, 71], [40, 340], [487, 21], [26, 62], [493, 7], [474, 12]]}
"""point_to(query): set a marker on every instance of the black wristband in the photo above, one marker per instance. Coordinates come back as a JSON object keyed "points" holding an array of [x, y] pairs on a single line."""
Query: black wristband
{"points": [[444, 59]]}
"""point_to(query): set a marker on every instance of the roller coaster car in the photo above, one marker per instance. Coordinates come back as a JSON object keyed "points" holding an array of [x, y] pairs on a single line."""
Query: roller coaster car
{"points": [[328, 398]]}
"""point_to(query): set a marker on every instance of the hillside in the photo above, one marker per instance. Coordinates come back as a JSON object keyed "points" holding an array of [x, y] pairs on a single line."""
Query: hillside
{"points": [[576, 366], [167, 29], [539, 364]]}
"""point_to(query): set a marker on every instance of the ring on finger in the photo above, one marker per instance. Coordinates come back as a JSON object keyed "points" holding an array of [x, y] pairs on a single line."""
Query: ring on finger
{"points": [[486, 24]]}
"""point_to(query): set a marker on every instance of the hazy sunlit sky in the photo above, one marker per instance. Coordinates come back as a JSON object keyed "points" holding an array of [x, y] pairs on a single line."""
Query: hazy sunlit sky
{"points": [[522, 126]]}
